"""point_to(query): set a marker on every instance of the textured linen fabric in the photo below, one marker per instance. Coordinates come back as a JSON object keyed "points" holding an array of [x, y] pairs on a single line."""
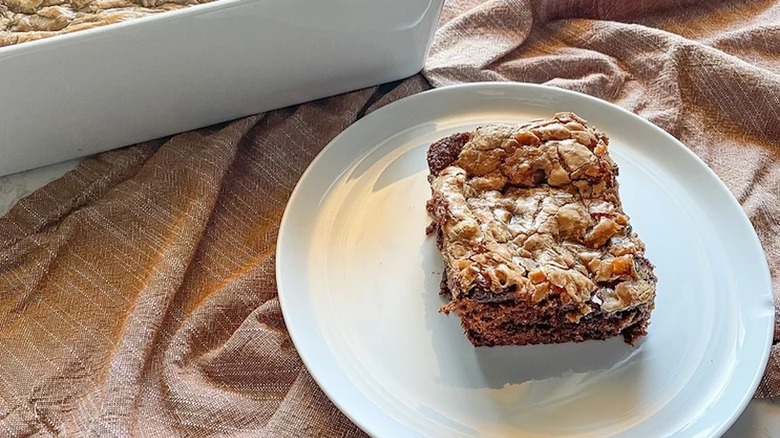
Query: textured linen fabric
{"points": [[137, 293]]}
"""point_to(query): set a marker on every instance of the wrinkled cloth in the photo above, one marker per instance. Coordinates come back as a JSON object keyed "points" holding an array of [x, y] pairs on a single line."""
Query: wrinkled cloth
{"points": [[137, 292]]}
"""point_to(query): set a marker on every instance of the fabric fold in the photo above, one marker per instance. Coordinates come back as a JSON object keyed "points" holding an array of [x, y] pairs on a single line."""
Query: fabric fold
{"points": [[138, 293]]}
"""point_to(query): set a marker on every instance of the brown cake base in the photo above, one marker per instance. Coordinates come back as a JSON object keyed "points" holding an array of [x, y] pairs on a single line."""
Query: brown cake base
{"points": [[490, 320], [521, 323]]}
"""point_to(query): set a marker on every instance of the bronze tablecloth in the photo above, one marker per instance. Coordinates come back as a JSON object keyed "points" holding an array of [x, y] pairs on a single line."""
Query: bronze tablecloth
{"points": [[137, 293]]}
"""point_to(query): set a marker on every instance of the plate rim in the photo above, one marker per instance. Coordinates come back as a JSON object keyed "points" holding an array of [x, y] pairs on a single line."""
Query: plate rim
{"points": [[512, 88]]}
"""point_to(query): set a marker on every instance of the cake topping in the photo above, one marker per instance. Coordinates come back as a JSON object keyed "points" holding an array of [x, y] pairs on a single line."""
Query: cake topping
{"points": [[533, 209]]}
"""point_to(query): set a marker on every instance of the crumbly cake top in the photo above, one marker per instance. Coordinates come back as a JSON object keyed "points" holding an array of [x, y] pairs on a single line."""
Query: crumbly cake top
{"points": [[28, 20], [534, 209]]}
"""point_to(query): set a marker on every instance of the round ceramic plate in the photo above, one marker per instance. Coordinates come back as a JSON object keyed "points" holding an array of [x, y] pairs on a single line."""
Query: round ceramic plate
{"points": [[359, 279]]}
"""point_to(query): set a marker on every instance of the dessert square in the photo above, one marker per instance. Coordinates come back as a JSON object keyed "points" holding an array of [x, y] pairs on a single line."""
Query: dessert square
{"points": [[536, 246]]}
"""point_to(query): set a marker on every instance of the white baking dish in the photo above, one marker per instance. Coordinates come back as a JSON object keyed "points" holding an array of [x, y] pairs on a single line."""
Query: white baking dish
{"points": [[98, 89]]}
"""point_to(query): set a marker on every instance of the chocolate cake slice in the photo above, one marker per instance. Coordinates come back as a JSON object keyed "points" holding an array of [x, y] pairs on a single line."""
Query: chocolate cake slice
{"points": [[535, 243]]}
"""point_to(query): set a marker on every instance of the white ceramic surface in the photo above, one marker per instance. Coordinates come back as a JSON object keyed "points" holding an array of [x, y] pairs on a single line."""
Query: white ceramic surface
{"points": [[358, 283], [89, 91], [760, 420]]}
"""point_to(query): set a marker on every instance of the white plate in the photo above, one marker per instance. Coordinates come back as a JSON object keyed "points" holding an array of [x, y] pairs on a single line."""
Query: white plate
{"points": [[358, 282]]}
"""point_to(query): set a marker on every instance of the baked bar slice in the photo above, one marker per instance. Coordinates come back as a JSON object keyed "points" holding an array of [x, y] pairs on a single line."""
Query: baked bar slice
{"points": [[535, 243]]}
